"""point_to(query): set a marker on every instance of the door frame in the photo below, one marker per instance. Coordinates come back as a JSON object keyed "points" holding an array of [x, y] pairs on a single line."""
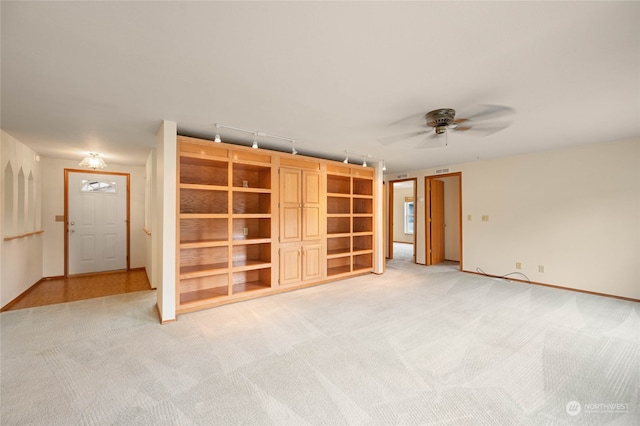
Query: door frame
{"points": [[427, 214], [390, 216], [66, 212]]}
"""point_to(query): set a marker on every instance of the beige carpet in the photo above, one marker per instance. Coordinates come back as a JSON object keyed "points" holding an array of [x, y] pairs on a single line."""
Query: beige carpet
{"points": [[417, 345]]}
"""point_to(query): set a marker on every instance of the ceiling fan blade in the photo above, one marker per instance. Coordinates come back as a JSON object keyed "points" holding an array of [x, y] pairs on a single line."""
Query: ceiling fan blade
{"points": [[432, 141], [485, 130], [388, 140], [490, 111], [416, 119]]}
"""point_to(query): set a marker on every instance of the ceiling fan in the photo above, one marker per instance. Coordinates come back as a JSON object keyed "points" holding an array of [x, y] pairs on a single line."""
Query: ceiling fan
{"points": [[439, 121]]}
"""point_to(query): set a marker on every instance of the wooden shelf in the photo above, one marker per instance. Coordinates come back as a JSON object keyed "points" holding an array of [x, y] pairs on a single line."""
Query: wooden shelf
{"points": [[255, 222], [202, 295], [203, 243], [349, 220], [337, 184], [198, 201], [338, 270], [251, 176], [224, 222], [203, 171], [194, 271], [256, 240], [251, 280]]}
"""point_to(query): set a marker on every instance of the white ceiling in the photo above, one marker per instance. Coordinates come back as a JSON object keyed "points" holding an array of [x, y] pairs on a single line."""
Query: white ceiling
{"points": [[100, 76]]}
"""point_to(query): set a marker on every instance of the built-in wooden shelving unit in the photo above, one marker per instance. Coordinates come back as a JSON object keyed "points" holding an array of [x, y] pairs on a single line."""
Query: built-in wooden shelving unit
{"points": [[349, 220], [253, 222]]}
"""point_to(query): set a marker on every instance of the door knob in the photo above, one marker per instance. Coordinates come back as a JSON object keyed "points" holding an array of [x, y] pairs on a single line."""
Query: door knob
{"points": [[72, 230], [72, 223]]}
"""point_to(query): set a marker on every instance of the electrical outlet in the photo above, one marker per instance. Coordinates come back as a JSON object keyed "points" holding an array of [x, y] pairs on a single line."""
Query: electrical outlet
{"points": [[485, 218], [468, 217], [540, 268], [245, 232], [518, 265]]}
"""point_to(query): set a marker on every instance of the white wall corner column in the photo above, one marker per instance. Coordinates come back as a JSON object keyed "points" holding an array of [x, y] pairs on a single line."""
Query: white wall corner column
{"points": [[378, 217], [150, 218], [164, 223]]}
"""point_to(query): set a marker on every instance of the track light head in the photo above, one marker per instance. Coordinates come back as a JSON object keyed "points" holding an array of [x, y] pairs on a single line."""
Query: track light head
{"points": [[217, 138]]}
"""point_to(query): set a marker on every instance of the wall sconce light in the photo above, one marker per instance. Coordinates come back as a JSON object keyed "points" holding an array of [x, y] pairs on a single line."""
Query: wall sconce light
{"points": [[293, 147], [93, 161], [346, 160], [255, 141]]}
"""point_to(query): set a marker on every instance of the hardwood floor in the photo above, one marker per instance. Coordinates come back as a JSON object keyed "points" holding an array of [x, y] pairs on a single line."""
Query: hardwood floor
{"points": [[58, 290]]}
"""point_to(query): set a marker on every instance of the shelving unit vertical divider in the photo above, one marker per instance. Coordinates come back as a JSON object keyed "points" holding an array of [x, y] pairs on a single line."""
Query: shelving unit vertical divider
{"points": [[275, 220], [230, 223]]}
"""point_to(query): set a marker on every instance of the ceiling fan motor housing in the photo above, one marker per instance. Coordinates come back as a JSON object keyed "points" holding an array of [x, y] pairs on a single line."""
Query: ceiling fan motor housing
{"points": [[440, 119]]}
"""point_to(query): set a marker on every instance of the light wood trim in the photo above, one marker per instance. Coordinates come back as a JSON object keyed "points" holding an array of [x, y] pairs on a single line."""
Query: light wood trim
{"points": [[237, 297], [66, 212], [427, 198], [28, 234], [577, 290], [415, 216], [21, 296]]}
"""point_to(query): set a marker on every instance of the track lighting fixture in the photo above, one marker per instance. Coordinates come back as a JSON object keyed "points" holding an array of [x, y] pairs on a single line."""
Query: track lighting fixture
{"points": [[364, 159], [255, 134]]}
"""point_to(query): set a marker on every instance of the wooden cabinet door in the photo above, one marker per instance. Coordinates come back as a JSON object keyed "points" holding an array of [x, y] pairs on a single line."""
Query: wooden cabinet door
{"points": [[290, 264], [311, 214], [311, 261], [290, 205]]}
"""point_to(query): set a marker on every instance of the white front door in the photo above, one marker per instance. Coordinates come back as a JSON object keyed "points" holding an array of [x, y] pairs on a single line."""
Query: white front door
{"points": [[97, 222]]}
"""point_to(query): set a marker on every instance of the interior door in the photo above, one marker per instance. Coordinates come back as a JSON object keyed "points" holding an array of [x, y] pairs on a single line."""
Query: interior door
{"points": [[311, 206], [290, 264], [96, 222], [436, 222], [311, 261], [290, 205]]}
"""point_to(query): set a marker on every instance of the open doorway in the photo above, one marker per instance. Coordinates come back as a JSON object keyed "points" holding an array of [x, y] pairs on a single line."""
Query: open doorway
{"points": [[443, 219], [402, 225]]}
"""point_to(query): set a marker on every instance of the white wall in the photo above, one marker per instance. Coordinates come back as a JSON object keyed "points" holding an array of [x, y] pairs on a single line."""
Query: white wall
{"points": [[53, 205], [150, 216], [164, 230], [575, 211], [21, 259], [399, 195]]}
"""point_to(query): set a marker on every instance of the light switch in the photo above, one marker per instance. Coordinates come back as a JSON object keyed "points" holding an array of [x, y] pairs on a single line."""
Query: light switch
{"points": [[468, 217]]}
